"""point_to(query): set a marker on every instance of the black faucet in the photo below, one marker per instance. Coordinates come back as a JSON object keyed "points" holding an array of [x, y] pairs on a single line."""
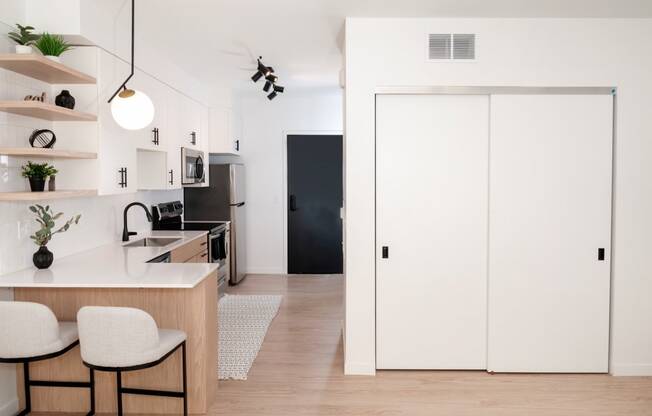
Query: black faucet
{"points": [[125, 232]]}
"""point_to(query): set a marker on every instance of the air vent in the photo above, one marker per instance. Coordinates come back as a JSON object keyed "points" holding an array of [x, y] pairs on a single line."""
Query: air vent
{"points": [[463, 46], [451, 46], [439, 46]]}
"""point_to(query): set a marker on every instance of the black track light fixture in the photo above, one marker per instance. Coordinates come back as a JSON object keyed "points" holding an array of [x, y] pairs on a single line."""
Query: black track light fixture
{"points": [[258, 75], [270, 79]]}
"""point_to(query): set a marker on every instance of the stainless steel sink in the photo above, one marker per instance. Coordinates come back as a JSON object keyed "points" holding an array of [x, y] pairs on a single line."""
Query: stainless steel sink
{"points": [[152, 242]]}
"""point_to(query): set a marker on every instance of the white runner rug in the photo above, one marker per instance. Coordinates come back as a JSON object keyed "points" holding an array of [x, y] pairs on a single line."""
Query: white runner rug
{"points": [[243, 323]]}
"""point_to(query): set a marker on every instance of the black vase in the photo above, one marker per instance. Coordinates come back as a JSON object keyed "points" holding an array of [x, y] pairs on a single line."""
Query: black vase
{"points": [[64, 99], [43, 258], [37, 184]]}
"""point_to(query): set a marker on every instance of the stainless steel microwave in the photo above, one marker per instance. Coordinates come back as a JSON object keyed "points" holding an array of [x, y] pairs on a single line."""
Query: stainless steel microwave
{"points": [[192, 166]]}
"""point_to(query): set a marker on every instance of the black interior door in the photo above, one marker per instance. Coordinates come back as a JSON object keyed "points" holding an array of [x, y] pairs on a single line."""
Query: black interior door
{"points": [[314, 202]]}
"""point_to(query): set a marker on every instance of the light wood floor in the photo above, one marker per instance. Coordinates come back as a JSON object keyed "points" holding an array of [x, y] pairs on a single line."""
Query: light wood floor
{"points": [[299, 372]]}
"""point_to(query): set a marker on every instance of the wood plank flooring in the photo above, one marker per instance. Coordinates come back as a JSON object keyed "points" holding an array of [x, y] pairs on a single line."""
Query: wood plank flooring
{"points": [[299, 371]]}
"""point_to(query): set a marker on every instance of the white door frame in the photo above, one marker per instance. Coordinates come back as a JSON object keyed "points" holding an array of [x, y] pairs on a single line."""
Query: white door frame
{"points": [[284, 204], [497, 90]]}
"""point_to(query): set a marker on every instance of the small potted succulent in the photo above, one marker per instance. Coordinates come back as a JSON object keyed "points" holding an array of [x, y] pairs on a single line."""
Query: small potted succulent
{"points": [[43, 258], [37, 173], [52, 46], [24, 38]]}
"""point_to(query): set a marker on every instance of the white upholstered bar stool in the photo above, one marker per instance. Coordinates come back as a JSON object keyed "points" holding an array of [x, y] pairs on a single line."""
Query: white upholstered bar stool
{"points": [[127, 339], [30, 332]]}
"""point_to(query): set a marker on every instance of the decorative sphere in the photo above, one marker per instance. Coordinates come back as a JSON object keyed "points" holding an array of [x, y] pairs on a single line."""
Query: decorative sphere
{"points": [[132, 111]]}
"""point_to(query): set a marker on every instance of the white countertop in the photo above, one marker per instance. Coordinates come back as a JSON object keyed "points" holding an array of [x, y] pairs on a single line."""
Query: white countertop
{"points": [[115, 266]]}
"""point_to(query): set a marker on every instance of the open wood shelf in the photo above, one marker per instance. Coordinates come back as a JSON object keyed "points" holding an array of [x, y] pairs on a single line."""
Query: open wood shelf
{"points": [[43, 196], [45, 153], [44, 69], [44, 111]]}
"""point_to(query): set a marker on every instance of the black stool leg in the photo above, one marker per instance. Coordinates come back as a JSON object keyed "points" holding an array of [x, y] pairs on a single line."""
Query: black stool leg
{"points": [[92, 387], [185, 379], [28, 396], [119, 389]]}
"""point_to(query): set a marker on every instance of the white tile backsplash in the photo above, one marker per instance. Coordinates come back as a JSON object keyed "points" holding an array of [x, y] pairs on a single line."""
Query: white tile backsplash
{"points": [[101, 223]]}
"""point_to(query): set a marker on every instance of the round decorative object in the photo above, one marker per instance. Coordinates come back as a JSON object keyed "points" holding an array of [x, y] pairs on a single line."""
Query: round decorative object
{"points": [[132, 110], [64, 99], [43, 258], [42, 139]]}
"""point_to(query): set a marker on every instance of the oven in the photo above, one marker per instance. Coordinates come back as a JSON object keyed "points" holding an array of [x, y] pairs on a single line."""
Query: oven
{"points": [[192, 166], [218, 252]]}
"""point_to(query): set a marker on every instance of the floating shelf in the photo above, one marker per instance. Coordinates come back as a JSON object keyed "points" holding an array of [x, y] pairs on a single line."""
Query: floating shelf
{"points": [[44, 196], [45, 153], [44, 111], [44, 69]]}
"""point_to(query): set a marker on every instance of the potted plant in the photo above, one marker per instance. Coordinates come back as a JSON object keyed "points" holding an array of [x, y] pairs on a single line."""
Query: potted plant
{"points": [[37, 173], [24, 38], [43, 257], [52, 46]]}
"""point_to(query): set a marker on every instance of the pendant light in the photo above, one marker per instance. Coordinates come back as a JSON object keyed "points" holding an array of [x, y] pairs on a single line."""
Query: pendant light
{"points": [[131, 109]]}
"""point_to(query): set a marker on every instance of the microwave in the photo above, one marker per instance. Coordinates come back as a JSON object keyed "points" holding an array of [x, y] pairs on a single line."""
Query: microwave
{"points": [[192, 166]]}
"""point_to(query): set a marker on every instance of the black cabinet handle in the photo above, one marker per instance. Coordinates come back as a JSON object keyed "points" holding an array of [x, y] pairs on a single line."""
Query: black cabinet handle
{"points": [[601, 254], [193, 137], [155, 139], [171, 176], [385, 252], [293, 203], [123, 177], [237, 145]]}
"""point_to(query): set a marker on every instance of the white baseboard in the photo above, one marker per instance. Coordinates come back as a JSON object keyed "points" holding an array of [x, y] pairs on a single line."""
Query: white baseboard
{"points": [[9, 408], [631, 370], [359, 369]]}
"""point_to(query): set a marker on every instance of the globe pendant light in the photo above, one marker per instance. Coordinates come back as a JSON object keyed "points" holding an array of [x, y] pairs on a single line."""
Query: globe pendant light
{"points": [[131, 109]]}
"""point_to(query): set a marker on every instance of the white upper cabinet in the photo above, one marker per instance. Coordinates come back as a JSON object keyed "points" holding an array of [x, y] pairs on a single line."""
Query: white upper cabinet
{"points": [[152, 137], [189, 112], [174, 140], [117, 153], [224, 131]]}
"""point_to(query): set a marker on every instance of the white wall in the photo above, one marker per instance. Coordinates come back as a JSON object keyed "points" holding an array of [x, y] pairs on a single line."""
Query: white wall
{"points": [[265, 124], [517, 52]]}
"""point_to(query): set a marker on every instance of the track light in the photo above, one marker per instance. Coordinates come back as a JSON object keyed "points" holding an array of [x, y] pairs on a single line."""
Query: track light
{"points": [[258, 75], [270, 79]]}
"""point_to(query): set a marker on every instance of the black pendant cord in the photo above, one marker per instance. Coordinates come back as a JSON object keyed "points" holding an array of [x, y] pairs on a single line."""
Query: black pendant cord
{"points": [[133, 23]]}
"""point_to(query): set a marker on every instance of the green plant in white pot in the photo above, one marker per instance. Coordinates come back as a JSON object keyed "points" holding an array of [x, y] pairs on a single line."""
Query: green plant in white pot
{"points": [[43, 258], [52, 46], [24, 38]]}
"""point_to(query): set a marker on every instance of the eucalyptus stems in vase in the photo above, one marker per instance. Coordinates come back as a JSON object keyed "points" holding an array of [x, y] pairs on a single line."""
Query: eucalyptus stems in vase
{"points": [[43, 258]]}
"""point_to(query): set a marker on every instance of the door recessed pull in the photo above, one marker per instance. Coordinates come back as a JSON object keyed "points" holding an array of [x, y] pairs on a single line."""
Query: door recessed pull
{"points": [[385, 252], [601, 254]]}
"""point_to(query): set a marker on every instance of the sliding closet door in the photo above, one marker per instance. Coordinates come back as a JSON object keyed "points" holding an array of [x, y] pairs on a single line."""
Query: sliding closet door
{"points": [[431, 202], [549, 244]]}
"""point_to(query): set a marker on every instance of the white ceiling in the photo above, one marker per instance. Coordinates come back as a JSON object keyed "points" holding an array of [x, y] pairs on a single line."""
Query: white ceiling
{"points": [[219, 39]]}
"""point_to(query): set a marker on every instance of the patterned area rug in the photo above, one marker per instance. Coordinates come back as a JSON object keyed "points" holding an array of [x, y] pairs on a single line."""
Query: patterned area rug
{"points": [[243, 324]]}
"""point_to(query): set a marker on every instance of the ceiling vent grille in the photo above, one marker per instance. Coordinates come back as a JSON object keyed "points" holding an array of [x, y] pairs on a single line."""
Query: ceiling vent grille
{"points": [[439, 46], [451, 46]]}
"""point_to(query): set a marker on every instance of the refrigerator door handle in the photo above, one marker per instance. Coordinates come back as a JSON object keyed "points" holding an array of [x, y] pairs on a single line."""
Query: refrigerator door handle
{"points": [[293, 203], [240, 204]]}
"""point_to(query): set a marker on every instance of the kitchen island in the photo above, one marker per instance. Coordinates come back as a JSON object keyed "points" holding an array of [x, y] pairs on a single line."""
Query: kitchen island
{"points": [[180, 296]]}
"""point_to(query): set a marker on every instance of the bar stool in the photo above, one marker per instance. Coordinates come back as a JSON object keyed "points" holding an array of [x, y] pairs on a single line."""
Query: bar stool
{"points": [[30, 332], [127, 339]]}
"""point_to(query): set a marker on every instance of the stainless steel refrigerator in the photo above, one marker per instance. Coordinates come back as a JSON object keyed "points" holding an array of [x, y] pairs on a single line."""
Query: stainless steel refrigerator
{"points": [[222, 200]]}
